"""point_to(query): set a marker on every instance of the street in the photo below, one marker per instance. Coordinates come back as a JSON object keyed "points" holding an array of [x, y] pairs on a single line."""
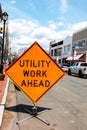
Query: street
{"points": [[64, 107]]}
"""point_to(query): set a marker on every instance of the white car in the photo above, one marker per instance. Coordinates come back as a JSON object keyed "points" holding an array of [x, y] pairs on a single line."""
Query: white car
{"points": [[64, 66], [78, 68]]}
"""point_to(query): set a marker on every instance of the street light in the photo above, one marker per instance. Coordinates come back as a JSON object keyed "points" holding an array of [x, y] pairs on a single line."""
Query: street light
{"points": [[4, 19]]}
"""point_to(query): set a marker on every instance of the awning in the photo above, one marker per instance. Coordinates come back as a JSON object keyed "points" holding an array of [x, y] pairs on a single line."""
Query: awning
{"points": [[77, 57]]}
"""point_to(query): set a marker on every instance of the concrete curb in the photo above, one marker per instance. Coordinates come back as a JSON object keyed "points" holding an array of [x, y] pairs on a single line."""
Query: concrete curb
{"points": [[2, 105]]}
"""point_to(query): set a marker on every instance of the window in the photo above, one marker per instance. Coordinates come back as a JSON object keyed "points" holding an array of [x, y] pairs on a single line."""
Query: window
{"points": [[66, 48], [80, 44], [83, 64], [77, 64], [57, 52], [51, 52]]}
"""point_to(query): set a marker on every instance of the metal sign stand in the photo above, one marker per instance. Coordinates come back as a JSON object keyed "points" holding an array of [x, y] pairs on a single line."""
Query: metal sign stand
{"points": [[33, 113]]}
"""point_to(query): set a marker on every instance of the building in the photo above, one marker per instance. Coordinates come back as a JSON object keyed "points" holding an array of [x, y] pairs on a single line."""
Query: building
{"points": [[79, 46], [60, 50], [66, 48], [56, 50]]}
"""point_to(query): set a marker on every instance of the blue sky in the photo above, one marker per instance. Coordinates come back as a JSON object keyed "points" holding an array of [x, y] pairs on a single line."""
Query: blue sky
{"points": [[43, 20]]}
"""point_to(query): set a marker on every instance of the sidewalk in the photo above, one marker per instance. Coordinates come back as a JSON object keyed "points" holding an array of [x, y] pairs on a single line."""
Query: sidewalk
{"points": [[3, 94]]}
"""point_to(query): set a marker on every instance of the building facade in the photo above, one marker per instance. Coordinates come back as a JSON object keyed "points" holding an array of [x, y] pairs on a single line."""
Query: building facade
{"points": [[79, 42], [72, 48], [66, 48], [60, 50], [56, 50]]}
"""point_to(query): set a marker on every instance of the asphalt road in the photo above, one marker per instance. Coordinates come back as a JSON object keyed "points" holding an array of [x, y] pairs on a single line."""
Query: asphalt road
{"points": [[64, 107]]}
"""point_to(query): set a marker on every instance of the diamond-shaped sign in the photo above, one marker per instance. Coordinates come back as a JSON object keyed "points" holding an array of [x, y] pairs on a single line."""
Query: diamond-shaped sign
{"points": [[35, 72]]}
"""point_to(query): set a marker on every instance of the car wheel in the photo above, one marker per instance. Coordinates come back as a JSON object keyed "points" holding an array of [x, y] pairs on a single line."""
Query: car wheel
{"points": [[69, 72], [80, 74]]}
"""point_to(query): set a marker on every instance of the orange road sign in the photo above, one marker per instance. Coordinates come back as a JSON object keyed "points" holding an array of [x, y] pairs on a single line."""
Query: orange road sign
{"points": [[35, 72]]}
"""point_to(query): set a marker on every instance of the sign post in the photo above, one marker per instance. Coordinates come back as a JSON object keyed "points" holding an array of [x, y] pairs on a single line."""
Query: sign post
{"points": [[35, 72]]}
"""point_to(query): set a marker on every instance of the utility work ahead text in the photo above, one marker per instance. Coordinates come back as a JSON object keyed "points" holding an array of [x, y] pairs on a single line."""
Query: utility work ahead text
{"points": [[35, 73]]}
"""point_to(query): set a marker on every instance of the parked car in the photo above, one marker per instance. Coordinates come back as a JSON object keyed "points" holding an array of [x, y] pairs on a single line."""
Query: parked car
{"points": [[64, 66], [78, 68]]}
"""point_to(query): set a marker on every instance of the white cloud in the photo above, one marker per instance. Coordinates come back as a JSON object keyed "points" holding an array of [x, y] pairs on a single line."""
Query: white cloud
{"points": [[23, 33], [54, 25], [21, 26], [63, 5], [12, 1], [78, 26]]}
